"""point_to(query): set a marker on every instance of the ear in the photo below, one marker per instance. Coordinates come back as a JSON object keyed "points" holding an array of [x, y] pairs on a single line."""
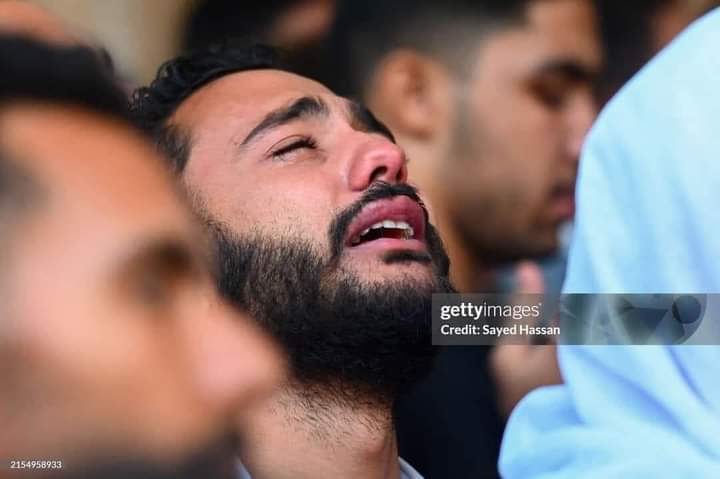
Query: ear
{"points": [[410, 92]]}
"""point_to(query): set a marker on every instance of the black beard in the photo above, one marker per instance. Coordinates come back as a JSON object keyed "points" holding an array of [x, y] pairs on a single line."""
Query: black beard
{"points": [[370, 342]]}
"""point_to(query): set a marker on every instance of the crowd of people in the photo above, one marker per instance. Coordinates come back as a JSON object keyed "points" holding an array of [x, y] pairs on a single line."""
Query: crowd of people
{"points": [[229, 272]]}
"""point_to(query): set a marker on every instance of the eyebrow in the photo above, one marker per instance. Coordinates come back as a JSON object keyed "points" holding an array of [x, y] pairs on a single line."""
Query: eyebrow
{"points": [[304, 107], [363, 119], [570, 69]]}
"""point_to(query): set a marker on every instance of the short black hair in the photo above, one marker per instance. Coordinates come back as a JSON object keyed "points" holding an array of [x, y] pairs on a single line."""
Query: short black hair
{"points": [[36, 72], [177, 79], [365, 32]]}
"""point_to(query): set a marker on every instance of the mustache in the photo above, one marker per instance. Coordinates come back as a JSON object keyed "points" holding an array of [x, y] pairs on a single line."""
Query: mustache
{"points": [[377, 191]]}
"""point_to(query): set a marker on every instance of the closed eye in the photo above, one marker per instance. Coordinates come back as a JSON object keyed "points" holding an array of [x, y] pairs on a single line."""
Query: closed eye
{"points": [[285, 148]]}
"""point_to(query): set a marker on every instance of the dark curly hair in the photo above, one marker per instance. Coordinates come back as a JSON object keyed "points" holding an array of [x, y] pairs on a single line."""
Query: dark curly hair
{"points": [[152, 106]]}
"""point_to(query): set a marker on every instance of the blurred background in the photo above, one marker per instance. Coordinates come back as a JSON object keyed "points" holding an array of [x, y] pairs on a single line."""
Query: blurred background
{"points": [[502, 142], [140, 34]]}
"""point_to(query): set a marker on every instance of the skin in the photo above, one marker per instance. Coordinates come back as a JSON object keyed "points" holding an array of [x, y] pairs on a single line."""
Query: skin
{"points": [[26, 19], [496, 149], [297, 194], [673, 18], [118, 343]]}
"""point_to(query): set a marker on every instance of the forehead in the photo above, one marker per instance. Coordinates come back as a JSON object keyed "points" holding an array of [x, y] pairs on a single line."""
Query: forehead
{"points": [[555, 31], [242, 99], [101, 178]]}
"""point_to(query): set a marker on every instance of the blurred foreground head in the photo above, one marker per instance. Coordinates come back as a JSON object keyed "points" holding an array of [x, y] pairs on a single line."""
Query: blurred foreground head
{"points": [[320, 235], [114, 355], [25, 19], [491, 100]]}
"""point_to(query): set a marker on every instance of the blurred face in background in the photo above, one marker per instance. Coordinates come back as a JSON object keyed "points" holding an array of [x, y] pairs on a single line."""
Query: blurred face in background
{"points": [[494, 126], [112, 345], [507, 182]]}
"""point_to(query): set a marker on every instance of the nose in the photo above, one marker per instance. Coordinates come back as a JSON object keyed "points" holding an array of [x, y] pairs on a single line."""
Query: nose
{"points": [[236, 364], [581, 115], [375, 158]]}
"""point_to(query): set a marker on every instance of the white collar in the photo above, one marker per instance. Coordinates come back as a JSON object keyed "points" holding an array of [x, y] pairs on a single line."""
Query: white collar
{"points": [[406, 471]]}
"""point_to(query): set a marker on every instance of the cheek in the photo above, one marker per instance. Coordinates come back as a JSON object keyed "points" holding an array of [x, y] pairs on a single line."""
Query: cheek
{"points": [[92, 363], [514, 154], [296, 208], [90, 345], [516, 123], [87, 340], [113, 370]]}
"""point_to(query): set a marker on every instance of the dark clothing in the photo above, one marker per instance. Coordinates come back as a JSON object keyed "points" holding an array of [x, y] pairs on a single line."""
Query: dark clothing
{"points": [[449, 426]]}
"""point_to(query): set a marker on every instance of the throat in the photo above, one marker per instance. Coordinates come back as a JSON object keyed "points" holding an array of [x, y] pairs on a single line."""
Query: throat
{"points": [[302, 435]]}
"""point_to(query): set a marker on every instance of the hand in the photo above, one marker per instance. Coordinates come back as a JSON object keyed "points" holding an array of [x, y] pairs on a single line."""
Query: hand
{"points": [[519, 368]]}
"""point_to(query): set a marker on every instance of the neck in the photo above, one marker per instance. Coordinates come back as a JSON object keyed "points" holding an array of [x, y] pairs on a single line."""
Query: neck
{"points": [[303, 435]]}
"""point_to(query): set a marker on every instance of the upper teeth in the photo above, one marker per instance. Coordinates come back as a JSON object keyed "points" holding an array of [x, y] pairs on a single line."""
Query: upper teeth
{"points": [[391, 224]]}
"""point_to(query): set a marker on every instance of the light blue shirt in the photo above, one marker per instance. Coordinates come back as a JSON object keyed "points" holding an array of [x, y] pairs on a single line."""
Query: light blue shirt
{"points": [[648, 222]]}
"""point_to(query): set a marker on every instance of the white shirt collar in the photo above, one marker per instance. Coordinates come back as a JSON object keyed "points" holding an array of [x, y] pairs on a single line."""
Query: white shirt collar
{"points": [[406, 471]]}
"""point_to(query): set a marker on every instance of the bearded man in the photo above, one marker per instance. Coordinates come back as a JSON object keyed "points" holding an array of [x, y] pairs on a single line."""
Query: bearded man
{"points": [[321, 239]]}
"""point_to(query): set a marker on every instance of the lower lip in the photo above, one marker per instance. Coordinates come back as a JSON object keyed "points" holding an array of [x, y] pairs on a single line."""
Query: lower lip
{"points": [[390, 244]]}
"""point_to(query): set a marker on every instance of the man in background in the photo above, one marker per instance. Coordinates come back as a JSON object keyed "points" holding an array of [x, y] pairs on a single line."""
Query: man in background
{"points": [[648, 194], [116, 357], [492, 101]]}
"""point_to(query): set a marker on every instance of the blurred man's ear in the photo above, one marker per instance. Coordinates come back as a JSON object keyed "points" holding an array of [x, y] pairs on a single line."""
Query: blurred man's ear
{"points": [[410, 92]]}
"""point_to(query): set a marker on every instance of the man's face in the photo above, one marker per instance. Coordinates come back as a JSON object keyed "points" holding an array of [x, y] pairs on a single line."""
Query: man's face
{"points": [[321, 238], [522, 115], [117, 348], [279, 155]]}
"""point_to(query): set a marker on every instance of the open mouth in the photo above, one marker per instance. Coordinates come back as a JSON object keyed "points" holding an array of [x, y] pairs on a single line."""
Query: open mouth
{"points": [[384, 229], [400, 221]]}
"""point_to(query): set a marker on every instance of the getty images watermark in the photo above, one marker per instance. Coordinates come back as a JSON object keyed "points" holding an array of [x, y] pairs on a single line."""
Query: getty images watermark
{"points": [[486, 319], [672, 319]]}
